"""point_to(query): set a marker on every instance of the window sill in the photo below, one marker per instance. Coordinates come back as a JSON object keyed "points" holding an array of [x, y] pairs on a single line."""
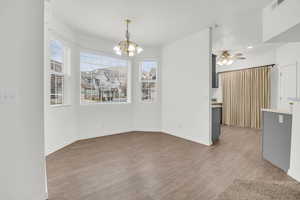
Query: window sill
{"points": [[148, 102], [60, 106], [114, 103]]}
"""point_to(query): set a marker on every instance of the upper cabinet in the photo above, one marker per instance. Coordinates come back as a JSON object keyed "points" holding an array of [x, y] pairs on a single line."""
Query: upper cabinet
{"points": [[281, 21]]}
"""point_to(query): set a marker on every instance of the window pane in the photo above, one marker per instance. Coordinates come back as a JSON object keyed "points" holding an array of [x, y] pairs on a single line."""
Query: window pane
{"points": [[148, 70], [152, 91], [103, 79], [56, 51], [56, 56], [145, 91], [148, 91], [56, 70], [148, 77], [57, 83]]}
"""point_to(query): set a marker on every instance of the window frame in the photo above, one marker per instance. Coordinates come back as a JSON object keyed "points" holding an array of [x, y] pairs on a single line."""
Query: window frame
{"points": [[129, 75], [65, 73], [141, 81]]}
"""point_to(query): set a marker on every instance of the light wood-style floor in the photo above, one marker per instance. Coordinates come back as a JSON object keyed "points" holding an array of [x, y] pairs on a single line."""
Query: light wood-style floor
{"points": [[156, 166]]}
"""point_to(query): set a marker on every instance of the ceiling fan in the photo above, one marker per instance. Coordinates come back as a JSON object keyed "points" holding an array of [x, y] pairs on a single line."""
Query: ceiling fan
{"points": [[226, 58]]}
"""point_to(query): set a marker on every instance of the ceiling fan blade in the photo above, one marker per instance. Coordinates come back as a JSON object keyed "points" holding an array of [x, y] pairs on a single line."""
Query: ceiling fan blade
{"points": [[241, 58], [238, 54], [223, 50]]}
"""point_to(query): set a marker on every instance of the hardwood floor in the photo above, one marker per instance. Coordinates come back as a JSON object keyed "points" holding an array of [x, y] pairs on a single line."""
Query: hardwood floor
{"points": [[156, 166]]}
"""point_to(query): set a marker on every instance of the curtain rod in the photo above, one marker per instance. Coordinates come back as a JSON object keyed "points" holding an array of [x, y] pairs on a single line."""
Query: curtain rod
{"points": [[270, 65]]}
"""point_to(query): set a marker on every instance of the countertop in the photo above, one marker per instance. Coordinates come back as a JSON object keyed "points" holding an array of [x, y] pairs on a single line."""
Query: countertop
{"points": [[280, 111]]}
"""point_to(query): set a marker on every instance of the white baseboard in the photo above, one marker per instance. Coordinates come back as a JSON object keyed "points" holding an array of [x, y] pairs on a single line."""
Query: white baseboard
{"points": [[122, 132], [104, 134], [109, 133], [189, 139], [46, 196], [294, 175], [148, 130], [60, 146]]}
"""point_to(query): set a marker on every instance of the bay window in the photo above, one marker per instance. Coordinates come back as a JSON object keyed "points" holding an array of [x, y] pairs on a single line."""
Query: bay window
{"points": [[58, 70], [104, 79], [148, 80]]}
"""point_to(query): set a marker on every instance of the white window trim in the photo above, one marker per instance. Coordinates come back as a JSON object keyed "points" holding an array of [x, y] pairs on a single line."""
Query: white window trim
{"points": [[140, 81], [129, 75], [66, 73]]}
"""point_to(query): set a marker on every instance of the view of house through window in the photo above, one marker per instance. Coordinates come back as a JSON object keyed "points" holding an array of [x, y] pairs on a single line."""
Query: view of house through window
{"points": [[148, 78], [57, 76], [104, 79]]}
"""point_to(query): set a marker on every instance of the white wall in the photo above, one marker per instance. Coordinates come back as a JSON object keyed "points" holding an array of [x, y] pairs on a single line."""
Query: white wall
{"points": [[288, 54], [282, 23], [186, 83], [100, 120], [66, 124], [294, 170], [61, 122], [146, 116], [22, 174]]}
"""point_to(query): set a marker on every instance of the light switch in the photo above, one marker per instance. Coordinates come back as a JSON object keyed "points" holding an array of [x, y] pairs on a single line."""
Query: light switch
{"points": [[8, 96], [280, 119]]}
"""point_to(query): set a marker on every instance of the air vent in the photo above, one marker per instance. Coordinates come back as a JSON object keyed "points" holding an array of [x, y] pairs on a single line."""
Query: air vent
{"points": [[276, 4]]}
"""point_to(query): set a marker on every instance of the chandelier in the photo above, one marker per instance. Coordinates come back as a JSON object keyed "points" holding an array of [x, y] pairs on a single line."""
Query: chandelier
{"points": [[127, 47]]}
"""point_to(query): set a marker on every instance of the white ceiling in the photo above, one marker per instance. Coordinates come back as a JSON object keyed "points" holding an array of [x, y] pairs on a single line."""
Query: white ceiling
{"points": [[157, 22]]}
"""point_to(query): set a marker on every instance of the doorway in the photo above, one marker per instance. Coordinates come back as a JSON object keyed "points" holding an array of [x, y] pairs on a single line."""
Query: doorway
{"points": [[245, 93]]}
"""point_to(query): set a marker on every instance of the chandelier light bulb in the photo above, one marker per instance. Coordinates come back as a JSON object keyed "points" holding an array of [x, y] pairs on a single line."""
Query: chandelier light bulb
{"points": [[130, 54], [131, 47], [220, 63], [117, 48], [139, 50], [118, 53]]}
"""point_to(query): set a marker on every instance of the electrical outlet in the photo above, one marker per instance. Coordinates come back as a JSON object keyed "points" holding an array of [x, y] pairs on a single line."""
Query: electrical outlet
{"points": [[280, 119]]}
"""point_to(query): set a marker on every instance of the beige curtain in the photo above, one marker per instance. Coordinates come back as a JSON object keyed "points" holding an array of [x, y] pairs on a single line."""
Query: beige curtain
{"points": [[245, 92]]}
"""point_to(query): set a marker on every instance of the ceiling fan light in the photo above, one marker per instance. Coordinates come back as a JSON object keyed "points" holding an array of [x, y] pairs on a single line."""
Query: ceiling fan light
{"points": [[229, 62], [224, 62], [131, 54]]}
